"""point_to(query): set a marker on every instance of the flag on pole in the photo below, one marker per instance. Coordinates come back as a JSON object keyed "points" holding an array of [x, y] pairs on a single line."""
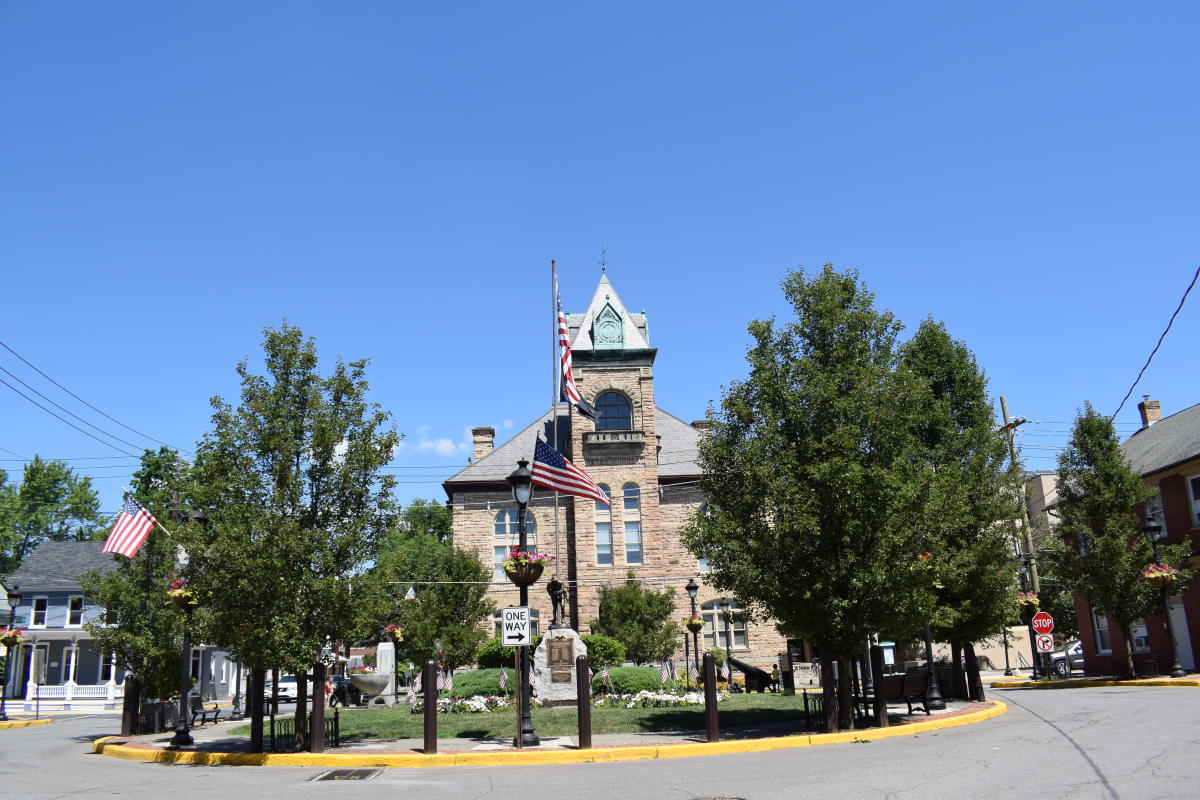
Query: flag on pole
{"points": [[129, 532], [552, 470], [503, 680], [725, 672], [604, 675], [695, 673], [411, 697], [417, 683], [569, 391], [663, 675]]}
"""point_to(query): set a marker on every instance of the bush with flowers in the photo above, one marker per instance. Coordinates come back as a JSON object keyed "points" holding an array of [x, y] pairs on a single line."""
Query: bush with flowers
{"points": [[11, 636], [1159, 574], [660, 699], [361, 671], [1028, 600], [475, 704]]}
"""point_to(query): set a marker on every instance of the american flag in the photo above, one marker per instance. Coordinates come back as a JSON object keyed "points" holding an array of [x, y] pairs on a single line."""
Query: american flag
{"points": [[446, 681], [411, 697], [503, 680], [664, 675], [417, 683], [553, 471], [725, 672], [695, 673], [130, 530], [570, 392], [604, 675]]}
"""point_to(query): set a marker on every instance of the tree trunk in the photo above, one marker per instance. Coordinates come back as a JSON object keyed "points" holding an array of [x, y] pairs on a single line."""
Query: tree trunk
{"points": [[258, 677], [301, 709], [1130, 667], [828, 690], [974, 683], [845, 694], [275, 690], [131, 706], [958, 688]]}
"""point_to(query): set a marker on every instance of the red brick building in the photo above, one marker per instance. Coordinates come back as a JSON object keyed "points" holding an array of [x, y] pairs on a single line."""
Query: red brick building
{"points": [[1166, 453]]}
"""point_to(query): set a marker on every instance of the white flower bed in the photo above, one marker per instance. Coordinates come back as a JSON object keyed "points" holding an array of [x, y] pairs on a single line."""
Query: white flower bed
{"points": [[648, 699]]}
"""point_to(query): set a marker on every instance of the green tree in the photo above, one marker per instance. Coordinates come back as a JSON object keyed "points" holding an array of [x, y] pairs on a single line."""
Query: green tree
{"points": [[640, 619], [970, 549], [819, 498], [140, 626], [1100, 498], [51, 503], [296, 502]]}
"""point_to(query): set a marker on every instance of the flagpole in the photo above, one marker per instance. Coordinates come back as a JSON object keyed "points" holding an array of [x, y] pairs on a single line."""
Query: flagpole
{"points": [[555, 359]]}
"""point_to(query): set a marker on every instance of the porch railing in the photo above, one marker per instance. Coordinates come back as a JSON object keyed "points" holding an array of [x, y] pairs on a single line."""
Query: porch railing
{"points": [[66, 692]]}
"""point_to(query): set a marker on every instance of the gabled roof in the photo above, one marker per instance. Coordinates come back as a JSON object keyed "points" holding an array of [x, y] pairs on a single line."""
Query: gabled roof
{"points": [[1170, 441], [56, 566], [676, 459], [637, 334]]}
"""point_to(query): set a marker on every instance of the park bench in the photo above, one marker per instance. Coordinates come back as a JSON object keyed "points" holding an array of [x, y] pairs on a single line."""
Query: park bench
{"points": [[204, 714], [909, 687]]}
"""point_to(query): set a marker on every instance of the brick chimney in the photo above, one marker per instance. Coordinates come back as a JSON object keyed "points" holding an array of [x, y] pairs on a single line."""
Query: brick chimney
{"points": [[1151, 411], [484, 440]]}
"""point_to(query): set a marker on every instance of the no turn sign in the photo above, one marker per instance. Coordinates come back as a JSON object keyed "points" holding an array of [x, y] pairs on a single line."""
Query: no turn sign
{"points": [[1045, 643], [1043, 622]]}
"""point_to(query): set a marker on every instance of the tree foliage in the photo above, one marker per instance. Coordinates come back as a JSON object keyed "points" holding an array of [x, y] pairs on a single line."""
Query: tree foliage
{"points": [[640, 619], [290, 481], [970, 547], [141, 626], [51, 503], [1100, 500]]}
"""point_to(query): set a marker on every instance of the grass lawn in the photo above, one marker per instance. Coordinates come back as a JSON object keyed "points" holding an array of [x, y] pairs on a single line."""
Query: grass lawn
{"points": [[399, 722]]}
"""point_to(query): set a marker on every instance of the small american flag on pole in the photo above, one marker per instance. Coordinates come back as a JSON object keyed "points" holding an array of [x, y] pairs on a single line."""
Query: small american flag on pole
{"points": [[417, 683], [129, 532], [725, 671], [695, 673], [604, 675], [503, 680], [553, 471], [663, 675], [569, 391]]}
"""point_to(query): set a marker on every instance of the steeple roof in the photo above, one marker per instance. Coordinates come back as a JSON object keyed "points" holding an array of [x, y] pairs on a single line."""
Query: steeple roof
{"points": [[636, 331]]}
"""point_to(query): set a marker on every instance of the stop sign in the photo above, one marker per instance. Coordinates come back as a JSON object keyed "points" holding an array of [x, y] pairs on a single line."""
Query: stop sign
{"points": [[1043, 622]]}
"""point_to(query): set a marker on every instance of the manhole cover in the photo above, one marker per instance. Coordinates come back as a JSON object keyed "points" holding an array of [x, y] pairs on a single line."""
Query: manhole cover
{"points": [[347, 775]]}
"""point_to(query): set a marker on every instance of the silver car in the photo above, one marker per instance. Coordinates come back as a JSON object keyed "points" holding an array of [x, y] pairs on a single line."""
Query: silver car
{"points": [[1067, 658]]}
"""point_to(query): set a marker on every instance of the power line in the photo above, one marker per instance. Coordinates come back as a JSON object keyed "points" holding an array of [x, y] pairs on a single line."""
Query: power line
{"points": [[85, 402], [60, 419], [1159, 343]]}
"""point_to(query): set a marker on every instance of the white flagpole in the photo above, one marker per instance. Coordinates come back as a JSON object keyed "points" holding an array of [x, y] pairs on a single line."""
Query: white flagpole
{"points": [[555, 380]]}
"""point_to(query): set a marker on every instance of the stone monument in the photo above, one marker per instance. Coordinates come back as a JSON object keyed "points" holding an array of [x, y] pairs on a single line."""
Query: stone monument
{"points": [[554, 666]]}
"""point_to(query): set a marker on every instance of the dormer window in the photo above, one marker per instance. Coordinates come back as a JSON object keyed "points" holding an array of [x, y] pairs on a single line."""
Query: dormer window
{"points": [[608, 329], [614, 413]]}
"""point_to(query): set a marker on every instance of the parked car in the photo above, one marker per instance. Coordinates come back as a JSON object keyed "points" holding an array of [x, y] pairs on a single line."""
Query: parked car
{"points": [[289, 690], [1066, 658]]}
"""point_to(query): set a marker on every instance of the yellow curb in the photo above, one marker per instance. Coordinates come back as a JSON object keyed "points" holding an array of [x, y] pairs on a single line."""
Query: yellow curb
{"points": [[1027, 684], [517, 757], [24, 723]]}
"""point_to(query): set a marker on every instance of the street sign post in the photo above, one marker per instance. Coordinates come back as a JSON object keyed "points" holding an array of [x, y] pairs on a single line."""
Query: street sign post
{"points": [[514, 626], [1045, 643], [1043, 622]]}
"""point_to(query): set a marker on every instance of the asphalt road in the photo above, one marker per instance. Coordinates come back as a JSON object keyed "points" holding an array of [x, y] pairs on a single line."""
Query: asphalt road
{"points": [[1127, 743]]}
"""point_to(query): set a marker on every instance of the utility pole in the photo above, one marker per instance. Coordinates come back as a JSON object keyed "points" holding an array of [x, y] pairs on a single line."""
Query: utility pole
{"points": [[1027, 555]]}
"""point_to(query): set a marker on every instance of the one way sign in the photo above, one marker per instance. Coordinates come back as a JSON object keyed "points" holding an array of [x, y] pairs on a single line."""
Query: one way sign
{"points": [[514, 626]]}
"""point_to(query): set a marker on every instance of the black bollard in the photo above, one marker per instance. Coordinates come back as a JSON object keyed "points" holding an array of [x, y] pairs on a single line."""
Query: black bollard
{"points": [[880, 688], [583, 702], [429, 687], [712, 722]]}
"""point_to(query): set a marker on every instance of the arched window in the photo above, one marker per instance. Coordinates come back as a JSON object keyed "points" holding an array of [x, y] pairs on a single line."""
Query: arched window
{"points": [[603, 518], [715, 634], [614, 413], [506, 529], [632, 517]]}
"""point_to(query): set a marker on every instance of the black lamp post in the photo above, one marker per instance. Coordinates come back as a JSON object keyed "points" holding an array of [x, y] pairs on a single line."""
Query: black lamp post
{"points": [[1155, 534], [14, 599], [522, 488], [933, 692], [182, 735], [692, 588], [725, 606]]}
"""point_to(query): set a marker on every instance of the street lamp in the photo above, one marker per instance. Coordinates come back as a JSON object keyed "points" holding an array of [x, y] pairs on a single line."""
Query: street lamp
{"points": [[182, 737], [1155, 534], [692, 588], [14, 599], [725, 606], [521, 481]]}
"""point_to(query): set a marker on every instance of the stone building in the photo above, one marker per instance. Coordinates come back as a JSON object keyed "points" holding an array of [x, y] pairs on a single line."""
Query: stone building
{"points": [[644, 457]]}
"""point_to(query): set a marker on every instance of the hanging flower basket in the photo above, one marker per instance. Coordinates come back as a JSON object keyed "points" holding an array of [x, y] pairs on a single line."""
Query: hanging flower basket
{"points": [[1159, 574], [694, 623], [524, 568], [181, 594], [11, 637], [394, 632], [1028, 601]]}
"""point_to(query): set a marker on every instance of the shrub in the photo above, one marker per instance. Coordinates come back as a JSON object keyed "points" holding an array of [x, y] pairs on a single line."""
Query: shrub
{"points": [[603, 651], [627, 680], [480, 681], [493, 655]]}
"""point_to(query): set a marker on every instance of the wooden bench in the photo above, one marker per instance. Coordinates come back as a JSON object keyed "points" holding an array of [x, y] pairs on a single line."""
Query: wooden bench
{"points": [[204, 714], [909, 687]]}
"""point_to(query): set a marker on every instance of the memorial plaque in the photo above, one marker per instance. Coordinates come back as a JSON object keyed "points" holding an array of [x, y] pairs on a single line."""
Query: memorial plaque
{"points": [[559, 659]]}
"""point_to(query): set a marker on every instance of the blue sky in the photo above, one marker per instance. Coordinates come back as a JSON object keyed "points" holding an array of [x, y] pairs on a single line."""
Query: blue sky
{"points": [[394, 178]]}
